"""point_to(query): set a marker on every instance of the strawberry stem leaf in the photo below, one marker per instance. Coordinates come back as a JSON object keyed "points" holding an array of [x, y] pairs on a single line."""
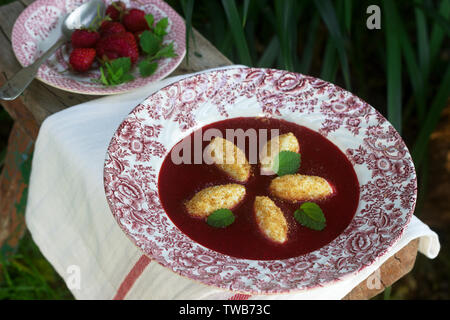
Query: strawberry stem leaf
{"points": [[117, 72], [147, 68], [150, 20]]}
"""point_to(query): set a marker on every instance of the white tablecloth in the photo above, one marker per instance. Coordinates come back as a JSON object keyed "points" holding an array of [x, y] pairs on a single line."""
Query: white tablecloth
{"points": [[69, 218]]}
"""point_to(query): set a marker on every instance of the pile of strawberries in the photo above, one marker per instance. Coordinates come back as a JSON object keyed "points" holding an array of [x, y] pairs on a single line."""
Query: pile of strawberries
{"points": [[115, 36]]}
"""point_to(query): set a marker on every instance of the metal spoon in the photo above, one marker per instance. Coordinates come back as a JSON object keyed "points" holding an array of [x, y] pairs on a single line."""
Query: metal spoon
{"points": [[84, 15]]}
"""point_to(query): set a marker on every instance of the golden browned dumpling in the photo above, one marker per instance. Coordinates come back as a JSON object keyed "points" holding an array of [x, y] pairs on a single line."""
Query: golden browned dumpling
{"points": [[297, 187], [284, 142], [270, 219], [229, 158], [214, 198]]}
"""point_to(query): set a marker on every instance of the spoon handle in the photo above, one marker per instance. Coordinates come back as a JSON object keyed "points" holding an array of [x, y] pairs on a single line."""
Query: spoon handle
{"points": [[11, 89]]}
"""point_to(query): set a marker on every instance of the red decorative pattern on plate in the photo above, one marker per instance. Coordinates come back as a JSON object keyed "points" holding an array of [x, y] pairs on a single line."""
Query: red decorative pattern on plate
{"points": [[39, 26], [381, 160]]}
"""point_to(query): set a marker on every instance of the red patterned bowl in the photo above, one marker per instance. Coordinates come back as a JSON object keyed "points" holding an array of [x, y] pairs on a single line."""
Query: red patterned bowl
{"points": [[39, 27], [379, 156]]}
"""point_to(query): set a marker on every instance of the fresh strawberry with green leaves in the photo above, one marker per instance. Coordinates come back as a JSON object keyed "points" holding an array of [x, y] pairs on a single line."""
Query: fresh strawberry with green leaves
{"points": [[116, 10], [118, 45], [84, 38], [134, 20], [110, 27], [81, 59]]}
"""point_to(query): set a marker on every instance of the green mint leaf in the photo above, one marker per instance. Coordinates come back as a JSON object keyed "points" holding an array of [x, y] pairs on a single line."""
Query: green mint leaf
{"points": [[123, 63], [150, 20], [147, 68], [117, 72], [165, 52], [161, 26], [127, 78], [117, 75], [220, 218], [109, 69], [103, 78], [310, 215], [149, 42], [286, 162]]}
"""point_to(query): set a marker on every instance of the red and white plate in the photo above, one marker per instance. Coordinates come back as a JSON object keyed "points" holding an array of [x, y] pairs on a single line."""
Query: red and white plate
{"points": [[39, 27], [378, 154]]}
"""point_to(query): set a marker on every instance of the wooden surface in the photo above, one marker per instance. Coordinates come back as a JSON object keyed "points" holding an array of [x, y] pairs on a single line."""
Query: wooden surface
{"points": [[13, 188], [40, 100], [393, 269]]}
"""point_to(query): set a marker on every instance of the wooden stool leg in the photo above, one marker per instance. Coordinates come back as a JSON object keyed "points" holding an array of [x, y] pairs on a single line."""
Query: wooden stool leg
{"points": [[14, 189]]}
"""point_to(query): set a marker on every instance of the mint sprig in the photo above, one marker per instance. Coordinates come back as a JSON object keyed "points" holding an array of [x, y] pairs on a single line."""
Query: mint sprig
{"points": [[286, 162], [150, 20], [310, 215], [220, 218], [116, 72], [151, 43], [147, 68], [161, 26]]}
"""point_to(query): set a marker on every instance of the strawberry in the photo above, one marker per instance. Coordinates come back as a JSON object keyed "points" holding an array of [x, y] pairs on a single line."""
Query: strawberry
{"points": [[115, 10], [110, 27], [118, 45], [81, 59], [134, 20], [84, 38]]}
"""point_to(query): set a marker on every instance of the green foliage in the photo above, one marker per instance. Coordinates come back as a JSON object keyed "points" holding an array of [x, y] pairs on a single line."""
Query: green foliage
{"points": [[3, 2], [24, 272], [188, 7], [234, 22], [330, 18], [394, 64], [27, 275]]}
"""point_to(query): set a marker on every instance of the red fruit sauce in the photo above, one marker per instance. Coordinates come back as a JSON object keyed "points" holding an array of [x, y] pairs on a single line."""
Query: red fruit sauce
{"points": [[243, 238]]}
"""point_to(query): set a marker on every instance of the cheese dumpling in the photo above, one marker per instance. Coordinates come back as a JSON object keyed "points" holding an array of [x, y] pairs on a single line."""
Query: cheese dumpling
{"points": [[214, 198], [229, 158], [284, 142], [297, 187], [270, 219]]}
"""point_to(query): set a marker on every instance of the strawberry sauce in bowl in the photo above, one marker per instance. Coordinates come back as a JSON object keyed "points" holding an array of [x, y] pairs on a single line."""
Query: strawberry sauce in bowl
{"points": [[243, 239]]}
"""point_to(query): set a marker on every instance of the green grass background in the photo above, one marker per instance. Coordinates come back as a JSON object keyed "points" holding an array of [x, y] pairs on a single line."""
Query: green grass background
{"points": [[402, 70]]}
